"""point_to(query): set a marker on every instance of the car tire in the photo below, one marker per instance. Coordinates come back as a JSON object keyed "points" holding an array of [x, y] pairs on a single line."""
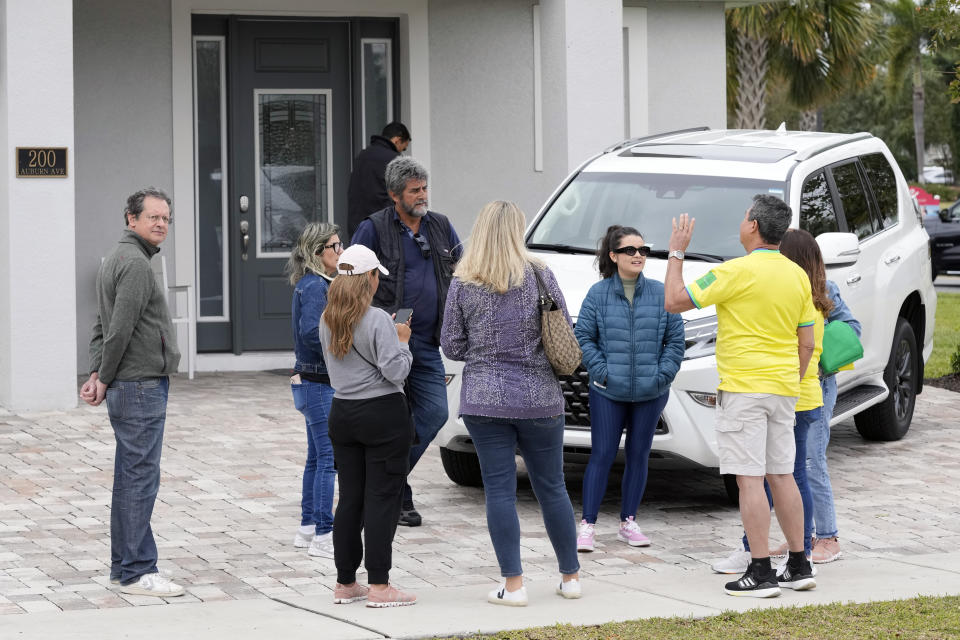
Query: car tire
{"points": [[732, 488], [890, 419], [461, 467]]}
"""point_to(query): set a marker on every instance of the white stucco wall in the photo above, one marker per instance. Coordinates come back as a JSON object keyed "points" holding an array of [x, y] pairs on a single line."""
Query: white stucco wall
{"points": [[37, 294], [481, 75], [123, 118], [482, 103], [687, 65]]}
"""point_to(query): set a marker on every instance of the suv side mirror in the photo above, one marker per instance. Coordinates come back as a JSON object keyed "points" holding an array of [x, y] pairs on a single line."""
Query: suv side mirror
{"points": [[839, 249]]}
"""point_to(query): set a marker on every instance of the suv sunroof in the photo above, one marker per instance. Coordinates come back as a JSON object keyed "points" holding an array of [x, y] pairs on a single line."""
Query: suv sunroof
{"points": [[709, 152]]}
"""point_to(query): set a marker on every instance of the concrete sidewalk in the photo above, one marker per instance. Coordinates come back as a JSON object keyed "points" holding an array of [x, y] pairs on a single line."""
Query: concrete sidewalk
{"points": [[464, 610]]}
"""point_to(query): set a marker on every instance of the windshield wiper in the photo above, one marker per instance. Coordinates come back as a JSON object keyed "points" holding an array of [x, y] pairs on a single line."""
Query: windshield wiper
{"points": [[706, 257], [560, 248]]}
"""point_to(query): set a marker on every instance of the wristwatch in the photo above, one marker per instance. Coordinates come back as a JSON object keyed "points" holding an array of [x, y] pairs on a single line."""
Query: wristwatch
{"points": [[675, 254]]}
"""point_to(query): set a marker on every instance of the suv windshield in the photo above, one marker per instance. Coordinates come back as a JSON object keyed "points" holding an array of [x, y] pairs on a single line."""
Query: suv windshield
{"points": [[580, 215]]}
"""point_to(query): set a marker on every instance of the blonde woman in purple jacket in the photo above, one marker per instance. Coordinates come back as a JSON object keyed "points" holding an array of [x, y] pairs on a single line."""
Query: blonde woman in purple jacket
{"points": [[510, 398]]}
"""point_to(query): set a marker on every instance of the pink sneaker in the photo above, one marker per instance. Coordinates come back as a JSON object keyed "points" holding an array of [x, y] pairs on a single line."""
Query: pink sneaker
{"points": [[631, 534], [585, 538], [347, 593]]}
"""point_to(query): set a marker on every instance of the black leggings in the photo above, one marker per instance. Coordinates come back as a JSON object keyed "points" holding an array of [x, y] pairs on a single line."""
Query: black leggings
{"points": [[371, 446]]}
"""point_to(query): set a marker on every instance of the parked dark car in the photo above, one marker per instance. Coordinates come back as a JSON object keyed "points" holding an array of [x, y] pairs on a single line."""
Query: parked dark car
{"points": [[944, 232]]}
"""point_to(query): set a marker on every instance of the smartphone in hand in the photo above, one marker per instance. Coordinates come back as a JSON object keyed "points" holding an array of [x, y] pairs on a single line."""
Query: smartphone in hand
{"points": [[403, 316]]}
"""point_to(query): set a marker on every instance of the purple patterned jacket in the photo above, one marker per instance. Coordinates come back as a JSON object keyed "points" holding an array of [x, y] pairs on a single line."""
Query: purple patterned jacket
{"points": [[506, 373]]}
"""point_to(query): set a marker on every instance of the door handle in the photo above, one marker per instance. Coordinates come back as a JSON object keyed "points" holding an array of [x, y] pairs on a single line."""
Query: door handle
{"points": [[853, 279], [891, 260], [244, 237]]}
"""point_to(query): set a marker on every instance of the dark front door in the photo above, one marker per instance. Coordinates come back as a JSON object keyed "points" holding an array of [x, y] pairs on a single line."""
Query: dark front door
{"points": [[290, 145]]}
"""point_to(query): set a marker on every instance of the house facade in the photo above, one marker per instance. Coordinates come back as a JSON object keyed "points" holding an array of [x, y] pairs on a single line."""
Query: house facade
{"points": [[249, 113]]}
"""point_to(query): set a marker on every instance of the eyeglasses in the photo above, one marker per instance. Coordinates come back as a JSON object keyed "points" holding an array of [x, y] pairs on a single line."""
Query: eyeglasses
{"points": [[632, 251], [336, 246], [167, 220], [423, 243]]}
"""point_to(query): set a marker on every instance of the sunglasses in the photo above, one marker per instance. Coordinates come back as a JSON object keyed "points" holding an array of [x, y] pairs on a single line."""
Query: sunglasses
{"points": [[632, 251], [336, 246]]}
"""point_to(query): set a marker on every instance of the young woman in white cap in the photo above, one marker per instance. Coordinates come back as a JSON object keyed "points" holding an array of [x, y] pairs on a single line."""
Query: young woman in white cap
{"points": [[367, 359]]}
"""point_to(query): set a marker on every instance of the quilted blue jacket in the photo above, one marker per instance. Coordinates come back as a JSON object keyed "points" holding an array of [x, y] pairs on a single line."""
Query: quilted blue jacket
{"points": [[632, 352]]}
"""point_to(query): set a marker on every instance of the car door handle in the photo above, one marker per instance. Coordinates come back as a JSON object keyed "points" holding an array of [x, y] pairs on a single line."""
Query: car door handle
{"points": [[891, 260], [853, 279]]}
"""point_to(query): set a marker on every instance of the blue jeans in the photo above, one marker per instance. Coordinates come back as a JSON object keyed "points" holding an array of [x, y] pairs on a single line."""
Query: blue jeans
{"points": [[608, 418], [540, 442], [824, 514], [428, 401], [804, 421], [312, 399], [137, 410]]}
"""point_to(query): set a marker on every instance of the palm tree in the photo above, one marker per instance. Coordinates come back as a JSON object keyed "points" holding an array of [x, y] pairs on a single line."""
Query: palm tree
{"points": [[815, 46], [908, 37]]}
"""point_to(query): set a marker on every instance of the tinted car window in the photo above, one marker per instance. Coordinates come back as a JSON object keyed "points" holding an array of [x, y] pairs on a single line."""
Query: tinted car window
{"points": [[884, 184], [816, 206], [853, 199]]}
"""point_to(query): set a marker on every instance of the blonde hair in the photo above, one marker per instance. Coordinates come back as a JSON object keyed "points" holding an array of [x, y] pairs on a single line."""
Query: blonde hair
{"points": [[495, 257], [348, 299], [303, 256]]}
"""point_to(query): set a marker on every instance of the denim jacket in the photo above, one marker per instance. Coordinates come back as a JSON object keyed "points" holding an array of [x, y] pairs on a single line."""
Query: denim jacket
{"points": [[840, 311], [309, 301]]}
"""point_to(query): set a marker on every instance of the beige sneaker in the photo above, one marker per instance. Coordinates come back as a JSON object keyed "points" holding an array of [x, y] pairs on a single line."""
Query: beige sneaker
{"points": [[153, 584], [347, 593], [390, 597], [826, 550]]}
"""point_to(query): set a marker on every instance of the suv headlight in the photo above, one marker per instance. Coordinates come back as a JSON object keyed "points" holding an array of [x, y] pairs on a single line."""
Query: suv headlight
{"points": [[700, 337]]}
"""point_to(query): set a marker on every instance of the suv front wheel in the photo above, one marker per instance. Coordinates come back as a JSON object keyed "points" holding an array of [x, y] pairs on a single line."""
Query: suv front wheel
{"points": [[890, 419], [462, 467]]}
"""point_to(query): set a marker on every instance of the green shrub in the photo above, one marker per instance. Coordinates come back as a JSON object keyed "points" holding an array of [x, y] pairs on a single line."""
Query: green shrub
{"points": [[955, 361]]}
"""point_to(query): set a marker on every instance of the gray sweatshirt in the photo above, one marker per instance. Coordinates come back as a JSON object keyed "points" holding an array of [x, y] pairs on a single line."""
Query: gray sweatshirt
{"points": [[379, 368], [133, 337]]}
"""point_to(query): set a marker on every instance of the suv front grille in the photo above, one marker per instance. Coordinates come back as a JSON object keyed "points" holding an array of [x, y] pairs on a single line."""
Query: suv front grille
{"points": [[576, 402]]}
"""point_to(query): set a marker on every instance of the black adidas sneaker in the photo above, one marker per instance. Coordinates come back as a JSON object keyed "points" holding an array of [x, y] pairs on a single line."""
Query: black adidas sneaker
{"points": [[798, 579], [752, 586]]}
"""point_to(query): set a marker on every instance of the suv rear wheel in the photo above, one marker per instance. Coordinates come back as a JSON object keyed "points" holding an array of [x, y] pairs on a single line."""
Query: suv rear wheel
{"points": [[890, 419], [461, 467]]}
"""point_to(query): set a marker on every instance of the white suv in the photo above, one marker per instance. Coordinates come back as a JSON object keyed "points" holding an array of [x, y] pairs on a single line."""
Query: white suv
{"points": [[846, 189]]}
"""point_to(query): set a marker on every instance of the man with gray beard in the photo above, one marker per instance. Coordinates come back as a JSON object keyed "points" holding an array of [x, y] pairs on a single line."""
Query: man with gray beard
{"points": [[420, 249]]}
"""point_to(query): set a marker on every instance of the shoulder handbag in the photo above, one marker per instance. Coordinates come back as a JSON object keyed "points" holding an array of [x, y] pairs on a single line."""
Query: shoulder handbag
{"points": [[559, 342], [841, 347]]}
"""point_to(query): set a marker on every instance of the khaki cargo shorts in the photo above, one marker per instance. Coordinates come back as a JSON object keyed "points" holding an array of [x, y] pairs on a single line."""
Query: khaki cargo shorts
{"points": [[755, 433]]}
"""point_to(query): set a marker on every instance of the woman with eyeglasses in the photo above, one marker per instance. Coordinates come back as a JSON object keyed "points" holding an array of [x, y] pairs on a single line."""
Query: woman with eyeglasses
{"points": [[632, 349], [311, 268]]}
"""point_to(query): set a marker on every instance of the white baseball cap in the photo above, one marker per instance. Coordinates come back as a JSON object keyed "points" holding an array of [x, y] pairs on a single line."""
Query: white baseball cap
{"points": [[360, 259]]}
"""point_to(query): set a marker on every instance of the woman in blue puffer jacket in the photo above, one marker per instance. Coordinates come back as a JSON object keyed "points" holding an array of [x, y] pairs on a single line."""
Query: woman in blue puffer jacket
{"points": [[632, 350]]}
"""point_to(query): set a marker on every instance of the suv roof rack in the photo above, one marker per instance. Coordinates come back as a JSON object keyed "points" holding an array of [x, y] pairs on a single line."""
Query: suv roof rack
{"points": [[808, 153], [632, 141]]}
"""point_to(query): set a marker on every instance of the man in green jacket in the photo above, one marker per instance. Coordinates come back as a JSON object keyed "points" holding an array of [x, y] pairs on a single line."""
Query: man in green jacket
{"points": [[132, 352]]}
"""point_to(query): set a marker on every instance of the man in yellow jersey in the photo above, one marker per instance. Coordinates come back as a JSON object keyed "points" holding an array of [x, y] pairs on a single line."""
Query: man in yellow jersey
{"points": [[765, 338]]}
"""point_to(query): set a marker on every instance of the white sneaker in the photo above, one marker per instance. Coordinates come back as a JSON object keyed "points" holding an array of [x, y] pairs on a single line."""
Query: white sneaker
{"points": [[569, 589], [302, 540], [153, 584], [737, 562], [516, 598], [322, 546]]}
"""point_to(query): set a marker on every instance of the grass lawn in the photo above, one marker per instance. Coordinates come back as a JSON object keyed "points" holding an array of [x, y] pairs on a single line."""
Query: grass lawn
{"points": [[924, 618], [946, 335]]}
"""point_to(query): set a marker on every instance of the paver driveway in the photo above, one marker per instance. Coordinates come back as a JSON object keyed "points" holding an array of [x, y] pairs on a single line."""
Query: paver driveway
{"points": [[230, 493]]}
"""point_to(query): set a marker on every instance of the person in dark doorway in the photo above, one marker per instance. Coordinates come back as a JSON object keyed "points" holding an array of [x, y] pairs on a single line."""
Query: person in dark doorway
{"points": [[420, 249], [368, 191], [132, 353]]}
